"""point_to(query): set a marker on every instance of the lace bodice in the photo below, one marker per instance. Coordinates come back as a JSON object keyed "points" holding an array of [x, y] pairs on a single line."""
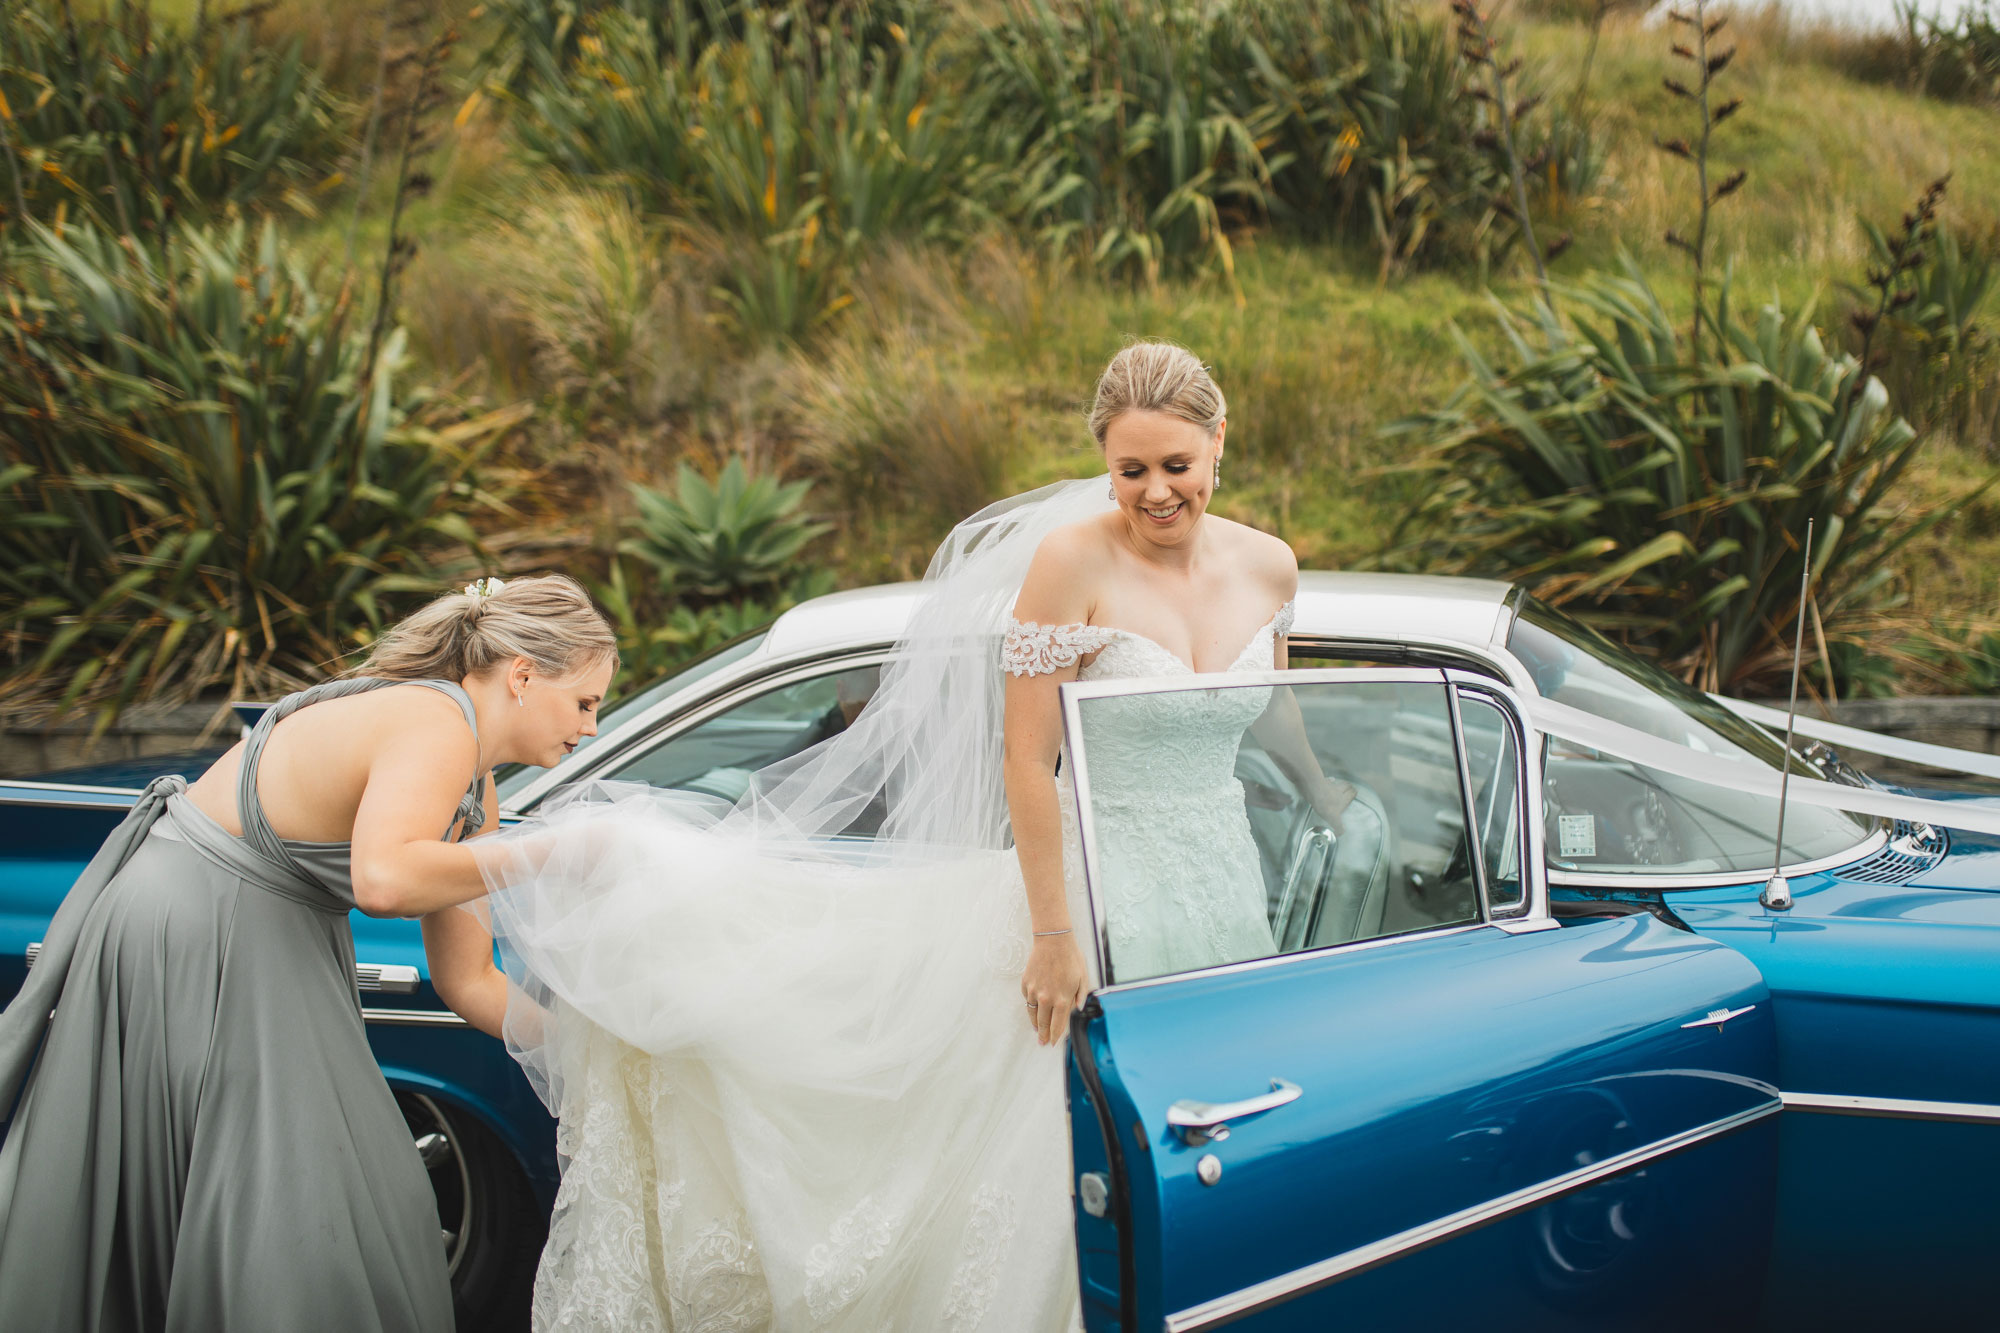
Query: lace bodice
{"points": [[1031, 649], [1180, 884]]}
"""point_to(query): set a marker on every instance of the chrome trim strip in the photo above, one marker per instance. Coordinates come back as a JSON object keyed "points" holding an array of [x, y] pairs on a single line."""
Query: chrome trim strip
{"points": [[1895, 1108], [1258, 964], [1475, 853], [395, 978], [69, 786], [1277, 1290], [1861, 851], [414, 1018], [1525, 925], [1717, 1017]]}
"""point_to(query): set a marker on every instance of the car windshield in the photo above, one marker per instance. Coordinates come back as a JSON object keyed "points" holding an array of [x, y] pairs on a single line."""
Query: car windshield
{"points": [[509, 779], [1611, 815]]}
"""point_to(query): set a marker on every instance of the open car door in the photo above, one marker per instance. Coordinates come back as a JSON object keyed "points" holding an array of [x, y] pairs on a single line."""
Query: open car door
{"points": [[1398, 1095]]}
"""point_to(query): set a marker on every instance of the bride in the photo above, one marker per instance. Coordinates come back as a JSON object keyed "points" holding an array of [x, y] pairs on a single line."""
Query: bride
{"points": [[785, 1040]]}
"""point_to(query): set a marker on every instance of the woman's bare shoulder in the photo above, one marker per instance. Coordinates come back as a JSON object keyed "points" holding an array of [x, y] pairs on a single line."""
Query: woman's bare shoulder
{"points": [[394, 712], [1061, 584], [1269, 559]]}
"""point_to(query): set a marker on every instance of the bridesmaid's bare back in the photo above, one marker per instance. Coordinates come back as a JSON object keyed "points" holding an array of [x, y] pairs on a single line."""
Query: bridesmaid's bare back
{"points": [[317, 762]]}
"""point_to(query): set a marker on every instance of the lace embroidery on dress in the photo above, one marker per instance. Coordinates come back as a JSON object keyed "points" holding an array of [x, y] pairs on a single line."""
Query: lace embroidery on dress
{"points": [[1035, 650], [716, 1283], [977, 1277], [837, 1269]]}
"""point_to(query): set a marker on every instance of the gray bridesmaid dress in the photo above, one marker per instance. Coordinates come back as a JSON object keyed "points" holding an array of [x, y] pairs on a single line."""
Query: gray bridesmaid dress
{"points": [[204, 1141]]}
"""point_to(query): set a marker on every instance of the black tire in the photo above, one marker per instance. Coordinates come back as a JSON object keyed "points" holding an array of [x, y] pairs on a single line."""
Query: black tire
{"points": [[493, 1229]]}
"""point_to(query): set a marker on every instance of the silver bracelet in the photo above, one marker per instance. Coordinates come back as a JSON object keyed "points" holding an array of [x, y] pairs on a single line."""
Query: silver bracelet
{"points": [[1064, 931]]}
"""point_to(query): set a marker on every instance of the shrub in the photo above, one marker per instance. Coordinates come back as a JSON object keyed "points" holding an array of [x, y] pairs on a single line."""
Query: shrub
{"points": [[1933, 349], [196, 486], [654, 639], [905, 444], [1665, 497], [615, 315], [134, 123]]}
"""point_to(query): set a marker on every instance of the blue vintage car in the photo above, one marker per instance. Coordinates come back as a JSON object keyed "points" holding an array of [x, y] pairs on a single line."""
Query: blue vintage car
{"points": [[1527, 1051]]}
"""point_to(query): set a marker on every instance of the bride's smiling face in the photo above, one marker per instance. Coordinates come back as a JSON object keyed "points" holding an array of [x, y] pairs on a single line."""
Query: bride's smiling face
{"points": [[1162, 472]]}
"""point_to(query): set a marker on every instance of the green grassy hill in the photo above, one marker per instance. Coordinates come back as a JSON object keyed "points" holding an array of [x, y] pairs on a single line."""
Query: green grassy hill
{"points": [[958, 373]]}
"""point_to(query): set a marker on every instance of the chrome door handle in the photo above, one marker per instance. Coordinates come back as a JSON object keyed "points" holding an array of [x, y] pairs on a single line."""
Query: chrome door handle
{"points": [[1717, 1017], [1204, 1122]]}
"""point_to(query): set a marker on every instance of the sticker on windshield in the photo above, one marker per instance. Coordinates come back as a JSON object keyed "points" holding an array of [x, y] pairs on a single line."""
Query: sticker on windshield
{"points": [[1576, 835]]}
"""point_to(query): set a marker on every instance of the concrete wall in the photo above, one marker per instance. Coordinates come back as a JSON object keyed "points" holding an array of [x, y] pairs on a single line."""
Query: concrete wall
{"points": [[142, 731]]}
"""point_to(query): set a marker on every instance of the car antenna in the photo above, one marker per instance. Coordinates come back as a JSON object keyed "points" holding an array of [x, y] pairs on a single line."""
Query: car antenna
{"points": [[1777, 894]]}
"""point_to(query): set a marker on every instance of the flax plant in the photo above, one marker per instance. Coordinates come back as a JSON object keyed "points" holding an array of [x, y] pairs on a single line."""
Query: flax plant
{"points": [[136, 124], [789, 150], [198, 485]]}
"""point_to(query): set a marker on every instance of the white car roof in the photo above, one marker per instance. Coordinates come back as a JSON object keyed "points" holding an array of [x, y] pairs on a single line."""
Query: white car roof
{"points": [[1427, 607]]}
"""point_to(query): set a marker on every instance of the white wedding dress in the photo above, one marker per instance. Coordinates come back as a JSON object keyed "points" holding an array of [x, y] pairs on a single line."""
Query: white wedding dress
{"points": [[795, 1082]]}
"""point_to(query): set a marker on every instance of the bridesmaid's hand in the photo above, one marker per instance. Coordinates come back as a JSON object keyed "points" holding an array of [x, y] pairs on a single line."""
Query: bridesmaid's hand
{"points": [[1053, 985]]}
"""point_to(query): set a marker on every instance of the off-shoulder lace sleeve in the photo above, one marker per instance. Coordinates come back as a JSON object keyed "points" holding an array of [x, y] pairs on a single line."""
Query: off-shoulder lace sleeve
{"points": [[1281, 624], [1035, 650]]}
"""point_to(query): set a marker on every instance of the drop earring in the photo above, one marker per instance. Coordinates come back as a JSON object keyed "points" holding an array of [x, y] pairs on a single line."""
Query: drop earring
{"points": [[1217, 484], [1111, 488]]}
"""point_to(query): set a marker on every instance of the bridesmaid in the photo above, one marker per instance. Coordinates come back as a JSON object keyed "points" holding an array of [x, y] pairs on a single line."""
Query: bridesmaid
{"points": [[204, 1140]]}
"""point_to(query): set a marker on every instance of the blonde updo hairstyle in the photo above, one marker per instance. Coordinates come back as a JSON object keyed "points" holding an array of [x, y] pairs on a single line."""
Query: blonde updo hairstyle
{"points": [[1156, 376], [550, 620]]}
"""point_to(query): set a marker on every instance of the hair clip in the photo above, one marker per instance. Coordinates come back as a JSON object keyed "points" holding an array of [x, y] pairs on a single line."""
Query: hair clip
{"points": [[484, 587]]}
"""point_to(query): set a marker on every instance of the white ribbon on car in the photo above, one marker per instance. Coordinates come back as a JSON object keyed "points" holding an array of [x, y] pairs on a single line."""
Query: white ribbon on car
{"points": [[1758, 779], [1869, 742]]}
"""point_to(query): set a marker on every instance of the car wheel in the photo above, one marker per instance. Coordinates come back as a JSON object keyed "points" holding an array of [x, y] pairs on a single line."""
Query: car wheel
{"points": [[493, 1230]]}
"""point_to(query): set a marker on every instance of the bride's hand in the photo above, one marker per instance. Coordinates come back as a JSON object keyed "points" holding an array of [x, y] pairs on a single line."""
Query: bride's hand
{"points": [[1053, 985], [1330, 798]]}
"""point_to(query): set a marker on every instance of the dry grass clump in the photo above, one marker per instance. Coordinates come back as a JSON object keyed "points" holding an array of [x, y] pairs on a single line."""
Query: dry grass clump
{"points": [[907, 440]]}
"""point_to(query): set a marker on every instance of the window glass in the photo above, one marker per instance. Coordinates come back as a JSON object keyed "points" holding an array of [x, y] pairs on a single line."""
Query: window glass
{"points": [[510, 778], [1208, 844], [1607, 814], [1493, 764], [717, 757]]}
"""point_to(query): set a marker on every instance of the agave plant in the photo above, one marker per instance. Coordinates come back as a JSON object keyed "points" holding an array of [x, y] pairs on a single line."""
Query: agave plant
{"points": [[136, 123], [734, 536], [197, 488], [1665, 498]]}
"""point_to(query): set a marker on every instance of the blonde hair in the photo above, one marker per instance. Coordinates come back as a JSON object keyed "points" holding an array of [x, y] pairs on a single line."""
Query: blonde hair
{"points": [[1156, 376], [550, 620]]}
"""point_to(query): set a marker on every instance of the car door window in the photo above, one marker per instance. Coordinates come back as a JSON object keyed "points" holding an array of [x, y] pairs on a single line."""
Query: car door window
{"points": [[1204, 845], [718, 755]]}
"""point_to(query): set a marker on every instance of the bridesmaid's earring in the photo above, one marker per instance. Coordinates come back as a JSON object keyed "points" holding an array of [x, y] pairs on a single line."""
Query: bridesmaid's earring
{"points": [[1111, 488], [1218, 476]]}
